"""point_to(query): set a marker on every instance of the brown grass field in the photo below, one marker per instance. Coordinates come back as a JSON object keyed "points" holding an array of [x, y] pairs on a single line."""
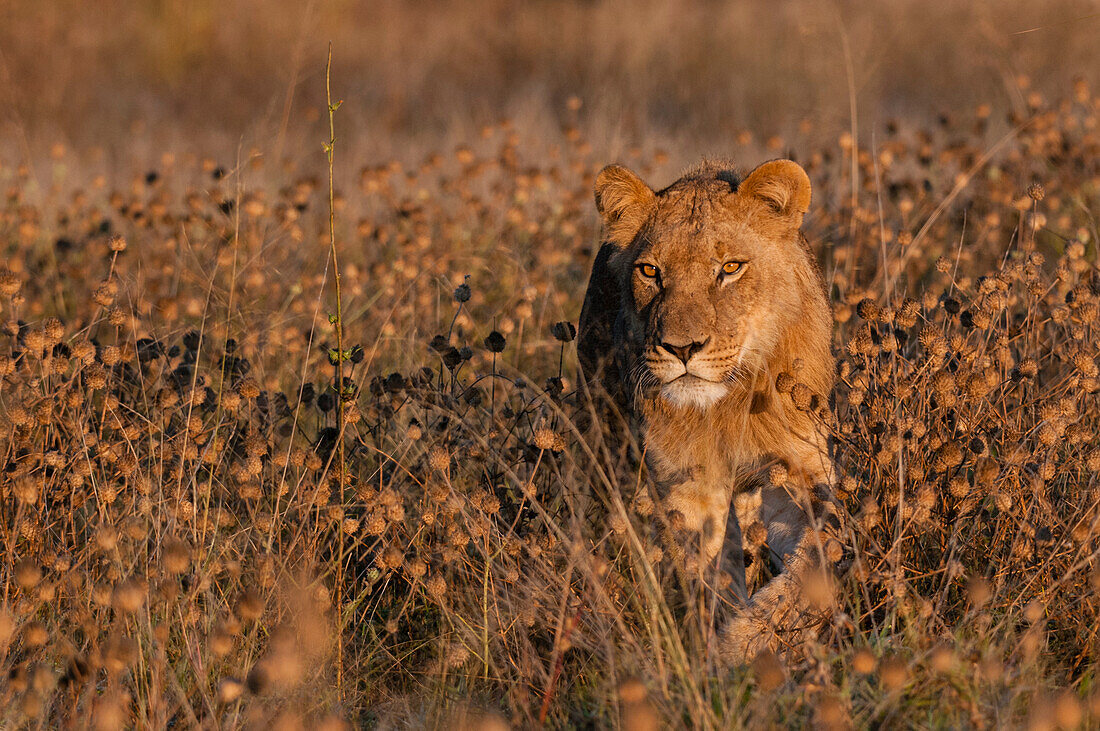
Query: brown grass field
{"points": [[232, 498]]}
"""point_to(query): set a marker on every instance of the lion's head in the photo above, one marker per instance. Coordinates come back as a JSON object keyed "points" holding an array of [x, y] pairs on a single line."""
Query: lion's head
{"points": [[716, 284]]}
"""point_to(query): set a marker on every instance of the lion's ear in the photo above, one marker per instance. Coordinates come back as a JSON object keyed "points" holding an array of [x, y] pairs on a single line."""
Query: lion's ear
{"points": [[624, 201], [781, 184]]}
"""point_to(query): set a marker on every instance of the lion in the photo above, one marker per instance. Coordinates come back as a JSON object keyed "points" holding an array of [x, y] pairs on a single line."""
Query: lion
{"points": [[707, 322]]}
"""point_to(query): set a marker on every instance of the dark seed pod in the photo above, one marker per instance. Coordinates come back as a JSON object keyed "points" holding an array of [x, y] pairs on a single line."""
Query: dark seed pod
{"points": [[495, 342], [563, 331], [191, 340], [147, 349], [452, 358]]}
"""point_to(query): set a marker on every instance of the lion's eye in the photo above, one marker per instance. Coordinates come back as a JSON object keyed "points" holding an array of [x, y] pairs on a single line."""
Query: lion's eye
{"points": [[648, 270], [732, 267]]}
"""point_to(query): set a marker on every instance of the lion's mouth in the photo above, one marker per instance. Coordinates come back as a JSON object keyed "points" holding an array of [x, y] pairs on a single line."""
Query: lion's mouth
{"points": [[689, 389], [688, 377]]}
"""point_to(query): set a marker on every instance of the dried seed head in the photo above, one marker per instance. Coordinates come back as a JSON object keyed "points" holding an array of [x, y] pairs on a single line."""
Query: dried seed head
{"points": [[249, 389], [777, 475], [801, 397], [618, 524], [959, 487], [436, 586], [893, 673], [249, 606], [978, 591], [633, 691], [105, 294], [128, 596], [230, 689], [926, 497], [111, 355], [1068, 712], [756, 535], [870, 515], [27, 573], [546, 439], [908, 314], [1086, 365], [175, 555], [35, 634], [943, 659], [106, 538], [1048, 434], [439, 459], [391, 558], [26, 490], [10, 282], [869, 310], [231, 400], [768, 671], [932, 340], [416, 568], [944, 386], [53, 331], [7, 626], [864, 662]]}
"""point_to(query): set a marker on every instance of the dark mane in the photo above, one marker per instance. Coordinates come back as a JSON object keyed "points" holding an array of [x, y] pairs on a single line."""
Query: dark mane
{"points": [[706, 172]]}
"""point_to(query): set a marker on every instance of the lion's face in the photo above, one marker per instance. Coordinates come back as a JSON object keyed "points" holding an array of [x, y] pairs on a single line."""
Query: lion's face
{"points": [[713, 276]]}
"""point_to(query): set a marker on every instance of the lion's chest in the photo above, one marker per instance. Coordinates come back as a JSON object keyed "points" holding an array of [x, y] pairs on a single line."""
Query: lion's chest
{"points": [[716, 457]]}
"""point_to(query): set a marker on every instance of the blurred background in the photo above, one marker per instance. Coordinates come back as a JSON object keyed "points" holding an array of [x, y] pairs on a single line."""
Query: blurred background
{"points": [[124, 78]]}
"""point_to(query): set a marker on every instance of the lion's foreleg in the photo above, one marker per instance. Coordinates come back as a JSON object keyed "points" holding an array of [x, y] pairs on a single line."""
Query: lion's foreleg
{"points": [[705, 510], [784, 609], [746, 506]]}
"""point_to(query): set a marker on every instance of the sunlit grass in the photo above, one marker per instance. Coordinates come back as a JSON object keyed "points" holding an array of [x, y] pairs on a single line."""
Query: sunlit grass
{"points": [[171, 509]]}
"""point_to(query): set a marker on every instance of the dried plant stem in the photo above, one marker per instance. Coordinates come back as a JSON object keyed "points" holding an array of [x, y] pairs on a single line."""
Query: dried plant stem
{"points": [[339, 326]]}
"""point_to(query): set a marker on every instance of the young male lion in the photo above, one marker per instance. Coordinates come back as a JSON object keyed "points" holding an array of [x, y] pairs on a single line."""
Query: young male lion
{"points": [[707, 320]]}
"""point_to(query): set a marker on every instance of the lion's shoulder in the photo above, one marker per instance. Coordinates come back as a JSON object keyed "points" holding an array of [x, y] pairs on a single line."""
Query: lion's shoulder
{"points": [[598, 336]]}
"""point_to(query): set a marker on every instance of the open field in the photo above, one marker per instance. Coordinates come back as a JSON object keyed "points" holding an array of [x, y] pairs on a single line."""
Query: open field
{"points": [[202, 526]]}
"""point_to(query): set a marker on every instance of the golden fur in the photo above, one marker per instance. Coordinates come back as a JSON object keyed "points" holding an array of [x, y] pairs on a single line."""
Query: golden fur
{"points": [[701, 296]]}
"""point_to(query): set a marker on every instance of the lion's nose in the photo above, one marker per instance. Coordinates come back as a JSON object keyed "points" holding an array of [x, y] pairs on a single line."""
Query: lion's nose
{"points": [[684, 352]]}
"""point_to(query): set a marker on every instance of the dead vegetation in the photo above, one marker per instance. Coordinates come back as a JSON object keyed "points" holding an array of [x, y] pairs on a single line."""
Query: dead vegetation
{"points": [[170, 499]]}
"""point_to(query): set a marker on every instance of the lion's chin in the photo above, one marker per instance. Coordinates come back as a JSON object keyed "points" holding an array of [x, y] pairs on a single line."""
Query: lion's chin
{"points": [[689, 391]]}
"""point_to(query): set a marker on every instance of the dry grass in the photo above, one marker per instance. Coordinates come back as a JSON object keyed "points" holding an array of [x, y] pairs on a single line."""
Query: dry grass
{"points": [[136, 78], [170, 512]]}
